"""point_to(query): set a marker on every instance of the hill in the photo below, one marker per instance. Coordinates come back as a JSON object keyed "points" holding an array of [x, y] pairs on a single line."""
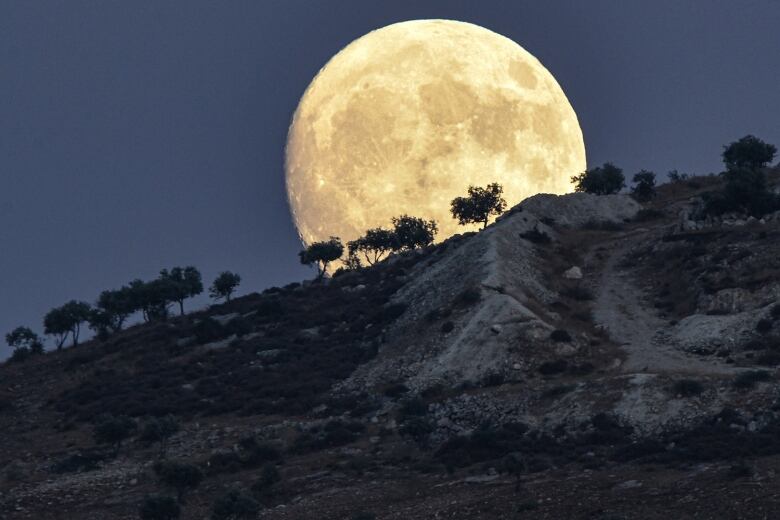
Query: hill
{"points": [[583, 357]]}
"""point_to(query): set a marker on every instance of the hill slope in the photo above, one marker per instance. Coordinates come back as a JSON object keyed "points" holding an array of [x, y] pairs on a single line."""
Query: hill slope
{"points": [[625, 355]]}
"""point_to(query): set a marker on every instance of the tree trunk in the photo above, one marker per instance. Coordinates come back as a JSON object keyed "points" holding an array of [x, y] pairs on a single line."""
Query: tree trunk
{"points": [[181, 307]]}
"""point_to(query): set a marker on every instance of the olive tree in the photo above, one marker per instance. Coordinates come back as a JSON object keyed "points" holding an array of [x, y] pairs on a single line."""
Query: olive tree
{"points": [[184, 283], [749, 152], [479, 205], [374, 245], [644, 186], [224, 285], [413, 232], [322, 254]]}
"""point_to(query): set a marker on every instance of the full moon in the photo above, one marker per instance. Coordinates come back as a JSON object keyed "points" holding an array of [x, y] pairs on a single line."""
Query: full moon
{"points": [[405, 118]]}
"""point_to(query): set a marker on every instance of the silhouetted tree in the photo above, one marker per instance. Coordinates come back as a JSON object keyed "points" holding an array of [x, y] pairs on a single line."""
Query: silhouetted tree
{"points": [[159, 429], [676, 176], [180, 476], [413, 232], [234, 505], [480, 204], [374, 245], [152, 298], [644, 186], [159, 508], [113, 430], [224, 285], [66, 319], [602, 180], [25, 343], [749, 152], [321, 254], [56, 323], [111, 310], [185, 283]]}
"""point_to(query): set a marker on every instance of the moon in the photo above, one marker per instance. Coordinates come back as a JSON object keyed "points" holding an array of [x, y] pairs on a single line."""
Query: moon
{"points": [[405, 118]]}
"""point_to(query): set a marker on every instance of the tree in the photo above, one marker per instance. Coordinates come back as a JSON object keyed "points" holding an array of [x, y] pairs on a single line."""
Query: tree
{"points": [[480, 204], [76, 313], [224, 285], [749, 152], [234, 505], [374, 245], [56, 323], [111, 310], [676, 176], [23, 338], [186, 283], [113, 430], [602, 180], [159, 508], [152, 298], [746, 190], [413, 232], [180, 476], [66, 319], [159, 429], [321, 254], [644, 186]]}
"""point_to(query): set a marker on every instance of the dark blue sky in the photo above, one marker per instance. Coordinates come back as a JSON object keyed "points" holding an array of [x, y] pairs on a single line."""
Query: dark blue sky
{"points": [[146, 134]]}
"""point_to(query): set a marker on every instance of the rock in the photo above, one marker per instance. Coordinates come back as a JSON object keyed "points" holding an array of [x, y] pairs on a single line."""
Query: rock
{"points": [[268, 355], [495, 328], [517, 366], [223, 319], [629, 484], [573, 273], [188, 386]]}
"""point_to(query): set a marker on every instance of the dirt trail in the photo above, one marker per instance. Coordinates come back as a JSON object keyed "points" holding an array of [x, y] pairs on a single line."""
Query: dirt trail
{"points": [[630, 319]]}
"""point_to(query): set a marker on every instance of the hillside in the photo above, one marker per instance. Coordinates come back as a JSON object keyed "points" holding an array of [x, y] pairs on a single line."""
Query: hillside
{"points": [[583, 357]]}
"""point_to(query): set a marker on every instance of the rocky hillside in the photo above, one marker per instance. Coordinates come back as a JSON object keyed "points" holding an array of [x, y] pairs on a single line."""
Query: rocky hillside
{"points": [[583, 357]]}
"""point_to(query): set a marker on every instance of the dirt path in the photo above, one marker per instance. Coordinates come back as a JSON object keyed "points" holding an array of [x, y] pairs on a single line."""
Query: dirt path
{"points": [[630, 319]]}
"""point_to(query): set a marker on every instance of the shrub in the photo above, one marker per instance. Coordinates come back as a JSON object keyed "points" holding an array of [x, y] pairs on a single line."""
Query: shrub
{"points": [[414, 406], [763, 326], [447, 327], [469, 296], [180, 476], [159, 430], [644, 188], [747, 380], [687, 388], [396, 390], [536, 236], [549, 368], [208, 329], [159, 508], [603, 180], [234, 505], [748, 152], [114, 430], [577, 292], [560, 336], [269, 476]]}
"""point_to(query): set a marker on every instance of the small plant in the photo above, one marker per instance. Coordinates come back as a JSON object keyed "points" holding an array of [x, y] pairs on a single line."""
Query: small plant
{"points": [[180, 476], [687, 388], [447, 327], [747, 380], [763, 326], [159, 430], [536, 236], [114, 430], [157, 507], [560, 336], [235, 505]]}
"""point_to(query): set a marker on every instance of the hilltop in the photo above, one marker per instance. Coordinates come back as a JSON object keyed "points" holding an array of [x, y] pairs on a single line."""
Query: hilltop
{"points": [[583, 357]]}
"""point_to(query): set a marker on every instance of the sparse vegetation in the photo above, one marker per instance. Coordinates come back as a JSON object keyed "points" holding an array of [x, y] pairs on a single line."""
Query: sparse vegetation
{"points": [[179, 476], [235, 504], [114, 430], [158, 507]]}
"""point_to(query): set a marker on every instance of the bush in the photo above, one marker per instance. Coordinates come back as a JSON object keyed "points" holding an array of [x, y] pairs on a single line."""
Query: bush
{"points": [[603, 180], [234, 505], [536, 236], [747, 380], [414, 406], [763, 326], [159, 508], [687, 388], [644, 188], [560, 336], [269, 476], [549, 368], [469, 296], [114, 430], [447, 327], [208, 330], [180, 476]]}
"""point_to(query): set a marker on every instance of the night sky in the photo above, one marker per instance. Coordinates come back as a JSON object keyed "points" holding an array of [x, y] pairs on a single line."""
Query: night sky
{"points": [[141, 135]]}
